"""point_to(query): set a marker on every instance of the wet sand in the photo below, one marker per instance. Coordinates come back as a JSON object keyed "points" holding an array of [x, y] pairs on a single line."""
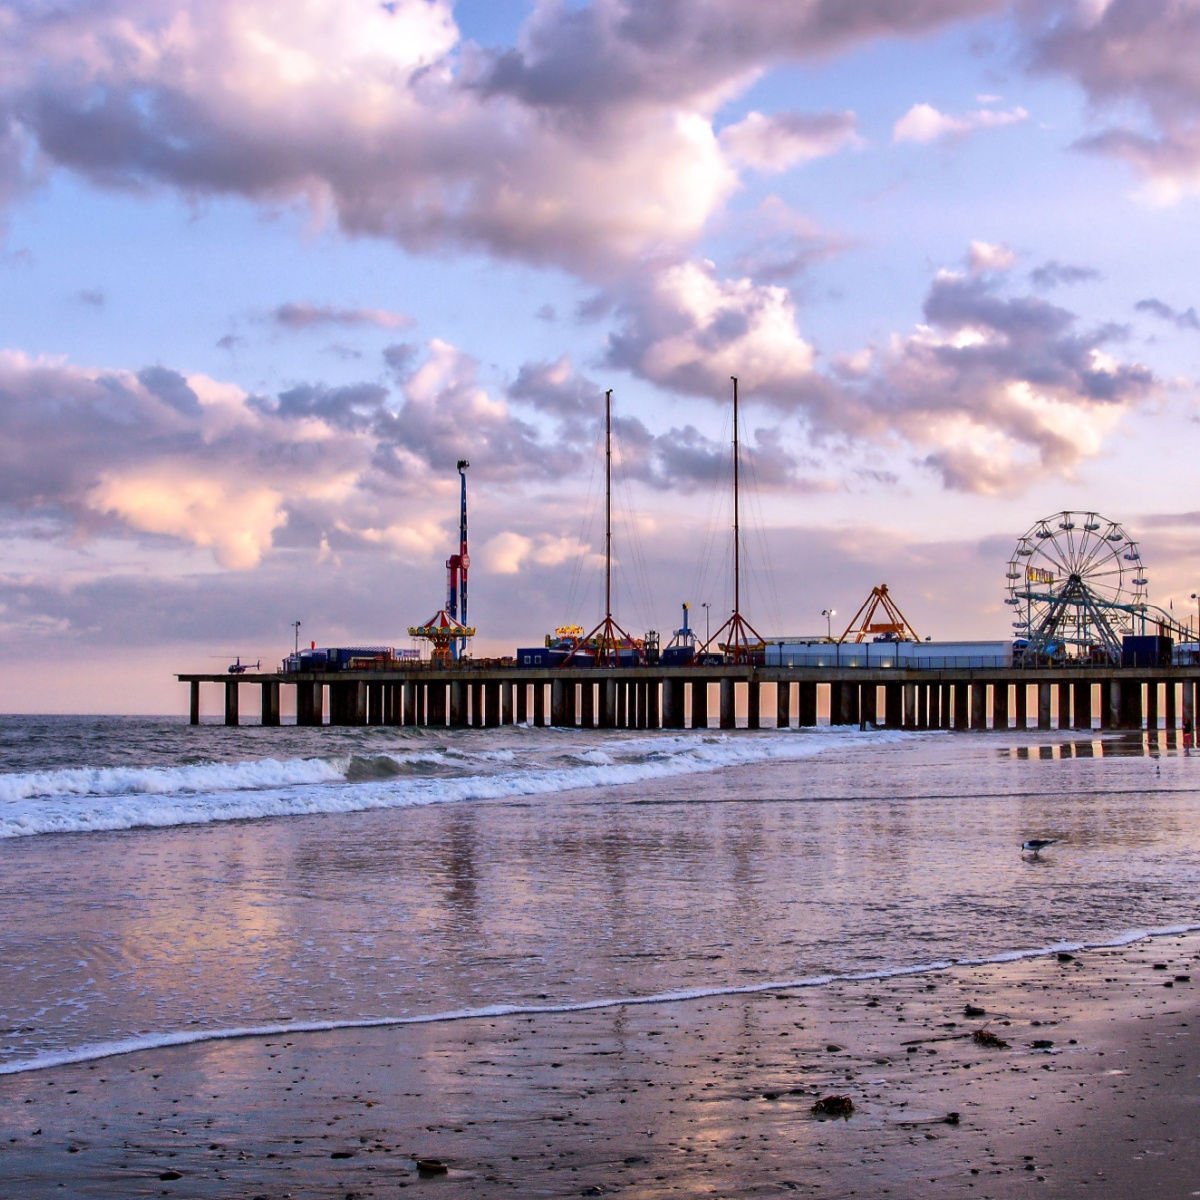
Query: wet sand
{"points": [[1095, 1093]]}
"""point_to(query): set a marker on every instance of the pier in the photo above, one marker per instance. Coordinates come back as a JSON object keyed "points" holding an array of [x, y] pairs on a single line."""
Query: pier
{"points": [[466, 695]]}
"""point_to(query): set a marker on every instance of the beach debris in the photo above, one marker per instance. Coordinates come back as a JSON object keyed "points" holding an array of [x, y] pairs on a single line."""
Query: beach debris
{"points": [[1041, 1044], [973, 1010], [1064, 957], [833, 1106], [985, 1037], [427, 1168]]}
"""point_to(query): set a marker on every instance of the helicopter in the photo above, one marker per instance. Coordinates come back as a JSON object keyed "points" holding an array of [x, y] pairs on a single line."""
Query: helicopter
{"points": [[237, 667]]}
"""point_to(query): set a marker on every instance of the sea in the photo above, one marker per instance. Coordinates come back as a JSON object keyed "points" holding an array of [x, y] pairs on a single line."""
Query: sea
{"points": [[163, 883]]}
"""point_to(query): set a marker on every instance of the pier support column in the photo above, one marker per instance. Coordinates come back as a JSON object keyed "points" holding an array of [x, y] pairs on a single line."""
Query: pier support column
{"points": [[539, 703], [728, 712], [673, 703], [806, 705], [1043, 694], [1152, 704], [270, 703], [587, 705], [783, 704], [979, 695], [893, 705], [753, 703], [653, 706], [1081, 703], [462, 697], [1131, 703], [1171, 705], [699, 703], [1022, 708], [913, 702], [347, 703], [194, 697], [231, 702], [868, 702], [560, 694], [491, 704], [1110, 716], [844, 707], [1063, 691], [506, 702], [1000, 704], [621, 704], [1189, 704], [414, 713], [310, 708], [962, 705], [435, 704], [608, 703], [522, 713]]}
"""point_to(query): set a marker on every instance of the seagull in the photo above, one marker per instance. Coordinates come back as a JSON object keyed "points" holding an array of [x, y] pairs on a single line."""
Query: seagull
{"points": [[1037, 845]]}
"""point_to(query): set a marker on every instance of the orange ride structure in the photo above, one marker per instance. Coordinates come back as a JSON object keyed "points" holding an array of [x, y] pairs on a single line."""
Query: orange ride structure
{"points": [[865, 623]]}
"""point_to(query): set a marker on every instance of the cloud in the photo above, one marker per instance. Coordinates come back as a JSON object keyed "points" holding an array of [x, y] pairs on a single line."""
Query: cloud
{"points": [[996, 390], [785, 140], [1056, 274], [685, 329], [924, 123], [1187, 319], [555, 388], [782, 243], [589, 145], [308, 316], [986, 256], [157, 454], [222, 512], [509, 552], [1132, 57]]}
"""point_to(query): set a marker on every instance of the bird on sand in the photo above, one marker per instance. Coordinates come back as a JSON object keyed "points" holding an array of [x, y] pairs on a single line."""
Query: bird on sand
{"points": [[1036, 845]]}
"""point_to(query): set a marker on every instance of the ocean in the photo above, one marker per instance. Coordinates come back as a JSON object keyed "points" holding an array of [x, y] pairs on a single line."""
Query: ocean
{"points": [[163, 883]]}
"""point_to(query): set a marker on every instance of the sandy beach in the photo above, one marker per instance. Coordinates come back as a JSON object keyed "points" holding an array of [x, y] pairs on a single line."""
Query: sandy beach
{"points": [[1093, 1093]]}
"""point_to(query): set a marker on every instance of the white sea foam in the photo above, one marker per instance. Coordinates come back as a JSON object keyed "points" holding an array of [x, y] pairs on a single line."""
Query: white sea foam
{"points": [[46, 1060], [95, 800], [159, 781]]}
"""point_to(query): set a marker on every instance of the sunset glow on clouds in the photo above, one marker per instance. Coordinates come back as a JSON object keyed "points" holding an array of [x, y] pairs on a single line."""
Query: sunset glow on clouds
{"points": [[271, 271]]}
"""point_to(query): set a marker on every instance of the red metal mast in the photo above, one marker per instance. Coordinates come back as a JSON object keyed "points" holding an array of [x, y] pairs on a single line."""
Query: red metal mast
{"points": [[608, 637], [743, 641]]}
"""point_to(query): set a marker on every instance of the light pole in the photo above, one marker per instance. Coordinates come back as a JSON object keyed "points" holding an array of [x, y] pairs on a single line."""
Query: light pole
{"points": [[296, 629], [829, 614], [704, 605], [1196, 597]]}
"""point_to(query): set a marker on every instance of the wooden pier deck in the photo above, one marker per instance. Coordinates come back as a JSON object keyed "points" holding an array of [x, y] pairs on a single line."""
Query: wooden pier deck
{"points": [[756, 697]]}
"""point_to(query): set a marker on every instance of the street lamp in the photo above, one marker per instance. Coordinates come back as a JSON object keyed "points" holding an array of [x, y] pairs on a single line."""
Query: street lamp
{"points": [[1196, 597], [296, 628], [829, 614], [704, 605]]}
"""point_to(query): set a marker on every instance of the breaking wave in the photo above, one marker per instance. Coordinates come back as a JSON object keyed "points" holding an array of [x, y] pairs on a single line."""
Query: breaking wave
{"points": [[84, 800]]}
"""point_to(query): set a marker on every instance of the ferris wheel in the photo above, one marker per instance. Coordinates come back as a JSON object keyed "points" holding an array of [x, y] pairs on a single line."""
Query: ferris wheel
{"points": [[1077, 586]]}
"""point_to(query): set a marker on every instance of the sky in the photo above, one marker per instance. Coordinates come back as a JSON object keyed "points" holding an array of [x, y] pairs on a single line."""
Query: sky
{"points": [[268, 271]]}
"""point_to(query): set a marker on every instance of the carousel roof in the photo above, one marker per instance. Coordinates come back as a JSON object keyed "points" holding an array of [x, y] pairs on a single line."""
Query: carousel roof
{"points": [[441, 625]]}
